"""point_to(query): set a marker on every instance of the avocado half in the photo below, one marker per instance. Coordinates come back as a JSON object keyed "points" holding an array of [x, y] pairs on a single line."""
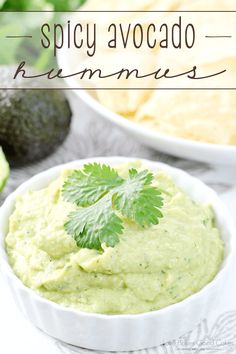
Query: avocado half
{"points": [[4, 170], [33, 122]]}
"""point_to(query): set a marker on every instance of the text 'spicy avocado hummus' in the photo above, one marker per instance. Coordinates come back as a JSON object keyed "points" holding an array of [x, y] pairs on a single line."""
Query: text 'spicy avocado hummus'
{"points": [[148, 269]]}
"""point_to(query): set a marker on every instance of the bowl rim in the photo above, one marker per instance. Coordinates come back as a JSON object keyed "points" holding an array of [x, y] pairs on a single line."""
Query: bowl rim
{"points": [[9, 204], [133, 126]]}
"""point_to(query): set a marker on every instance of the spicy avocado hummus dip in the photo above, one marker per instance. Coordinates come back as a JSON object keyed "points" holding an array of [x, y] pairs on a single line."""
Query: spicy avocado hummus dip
{"points": [[148, 269]]}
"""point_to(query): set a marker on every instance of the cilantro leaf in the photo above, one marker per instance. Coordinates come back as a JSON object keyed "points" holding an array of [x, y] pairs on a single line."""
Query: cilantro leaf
{"points": [[92, 226], [23, 5], [86, 187], [137, 200], [100, 193], [65, 5]]}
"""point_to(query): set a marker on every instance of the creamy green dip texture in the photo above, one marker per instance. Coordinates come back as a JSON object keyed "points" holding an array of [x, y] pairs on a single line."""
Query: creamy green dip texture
{"points": [[147, 270]]}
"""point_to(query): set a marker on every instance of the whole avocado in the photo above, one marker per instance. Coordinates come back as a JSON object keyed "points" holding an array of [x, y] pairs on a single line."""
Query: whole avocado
{"points": [[33, 122]]}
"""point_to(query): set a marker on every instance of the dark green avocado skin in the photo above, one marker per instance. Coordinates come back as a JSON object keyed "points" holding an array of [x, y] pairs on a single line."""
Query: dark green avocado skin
{"points": [[33, 123]]}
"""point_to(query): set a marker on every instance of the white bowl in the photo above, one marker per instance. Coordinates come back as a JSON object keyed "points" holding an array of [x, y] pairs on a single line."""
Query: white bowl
{"points": [[189, 149], [119, 332]]}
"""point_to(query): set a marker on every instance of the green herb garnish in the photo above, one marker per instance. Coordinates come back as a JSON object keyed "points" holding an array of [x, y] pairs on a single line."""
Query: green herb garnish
{"points": [[103, 197]]}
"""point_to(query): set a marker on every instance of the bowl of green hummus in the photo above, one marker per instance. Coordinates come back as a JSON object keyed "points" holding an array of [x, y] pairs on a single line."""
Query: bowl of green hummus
{"points": [[115, 253]]}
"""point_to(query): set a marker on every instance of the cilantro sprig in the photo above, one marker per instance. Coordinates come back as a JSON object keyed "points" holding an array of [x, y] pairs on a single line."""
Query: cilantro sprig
{"points": [[103, 198]]}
